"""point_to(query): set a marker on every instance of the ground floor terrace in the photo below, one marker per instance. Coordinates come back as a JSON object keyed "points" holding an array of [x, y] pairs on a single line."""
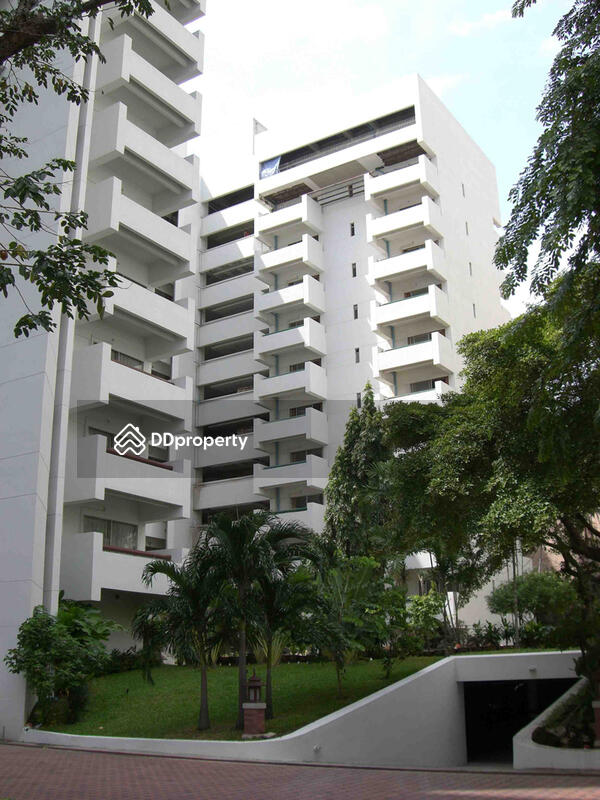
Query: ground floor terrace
{"points": [[30, 772]]}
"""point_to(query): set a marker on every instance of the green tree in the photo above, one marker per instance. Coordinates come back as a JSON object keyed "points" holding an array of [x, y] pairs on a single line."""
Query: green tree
{"points": [[340, 621], [418, 519], [243, 551], [345, 523], [556, 201], [187, 618], [543, 597], [33, 37], [59, 654], [282, 592]]}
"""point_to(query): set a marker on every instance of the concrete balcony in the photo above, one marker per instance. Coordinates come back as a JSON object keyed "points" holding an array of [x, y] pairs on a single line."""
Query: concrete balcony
{"points": [[227, 328], [425, 214], [166, 326], [307, 252], [97, 379], [225, 409], [124, 150], [162, 491], [221, 494], [87, 568], [310, 383], [231, 289], [312, 517], [302, 217], [306, 297], [360, 154], [421, 177], [312, 473], [163, 41], [438, 352], [220, 456], [230, 217], [428, 260], [432, 305], [128, 229], [159, 106], [228, 367], [312, 426], [434, 395], [186, 11], [309, 336], [227, 253]]}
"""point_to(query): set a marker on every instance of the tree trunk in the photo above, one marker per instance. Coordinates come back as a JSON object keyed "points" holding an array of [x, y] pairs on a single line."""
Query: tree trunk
{"points": [[241, 677], [517, 636], [269, 687], [203, 718]]}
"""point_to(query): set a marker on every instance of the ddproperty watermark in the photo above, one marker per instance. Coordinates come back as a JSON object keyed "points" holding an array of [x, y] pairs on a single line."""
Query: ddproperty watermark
{"points": [[130, 440]]}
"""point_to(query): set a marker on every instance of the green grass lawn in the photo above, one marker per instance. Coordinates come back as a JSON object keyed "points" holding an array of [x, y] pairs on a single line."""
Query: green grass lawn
{"points": [[124, 705]]}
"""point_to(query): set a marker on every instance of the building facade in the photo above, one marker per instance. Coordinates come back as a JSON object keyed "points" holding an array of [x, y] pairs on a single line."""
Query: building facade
{"points": [[258, 307]]}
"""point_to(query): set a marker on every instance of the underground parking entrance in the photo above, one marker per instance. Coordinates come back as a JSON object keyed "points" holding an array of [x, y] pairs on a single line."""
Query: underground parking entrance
{"points": [[496, 710]]}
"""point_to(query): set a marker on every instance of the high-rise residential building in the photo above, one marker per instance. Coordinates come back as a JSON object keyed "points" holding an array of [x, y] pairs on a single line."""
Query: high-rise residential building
{"points": [[362, 254], [256, 305], [74, 515]]}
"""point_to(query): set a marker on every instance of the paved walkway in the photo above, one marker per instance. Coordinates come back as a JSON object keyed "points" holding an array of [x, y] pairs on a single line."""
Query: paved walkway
{"points": [[32, 773]]}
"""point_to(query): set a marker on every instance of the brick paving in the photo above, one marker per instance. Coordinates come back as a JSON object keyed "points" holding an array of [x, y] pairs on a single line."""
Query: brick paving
{"points": [[34, 773]]}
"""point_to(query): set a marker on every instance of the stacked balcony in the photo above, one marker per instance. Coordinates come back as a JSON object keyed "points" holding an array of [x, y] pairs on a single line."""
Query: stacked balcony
{"points": [[159, 106], [124, 360], [98, 380], [88, 567], [437, 352], [311, 473], [427, 263], [423, 219], [313, 516], [308, 338], [132, 231], [306, 297], [302, 217], [432, 305], [416, 178], [162, 490], [124, 150], [308, 385], [311, 427]]}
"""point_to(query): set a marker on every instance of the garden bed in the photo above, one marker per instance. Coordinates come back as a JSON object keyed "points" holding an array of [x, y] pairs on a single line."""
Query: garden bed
{"points": [[125, 705]]}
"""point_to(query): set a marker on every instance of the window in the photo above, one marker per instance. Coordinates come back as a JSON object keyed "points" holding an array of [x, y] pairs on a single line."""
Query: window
{"points": [[297, 323], [297, 367], [154, 543], [128, 361], [419, 337], [352, 229], [355, 310], [474, 310], [463, 189], [298, 411], [357, 355], [470, 269], [114, 534], [422, 386], [467, 228], [416, 292], [358, 400], [354, 269]]}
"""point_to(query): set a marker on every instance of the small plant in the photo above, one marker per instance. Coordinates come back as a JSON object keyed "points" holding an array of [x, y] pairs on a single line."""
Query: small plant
{"points": [[508, 631]]}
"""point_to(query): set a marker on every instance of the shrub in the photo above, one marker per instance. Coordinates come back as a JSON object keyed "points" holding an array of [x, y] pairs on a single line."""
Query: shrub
{"points": [[58, 654], [545, 597]]}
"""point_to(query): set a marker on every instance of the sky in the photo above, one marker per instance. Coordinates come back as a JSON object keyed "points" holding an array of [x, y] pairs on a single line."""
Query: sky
{"points": [[284, 62]]}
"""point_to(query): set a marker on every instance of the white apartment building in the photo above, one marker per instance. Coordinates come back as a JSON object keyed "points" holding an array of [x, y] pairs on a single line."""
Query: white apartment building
{"points": [[258, 305], [74, 515], [362, 254]]}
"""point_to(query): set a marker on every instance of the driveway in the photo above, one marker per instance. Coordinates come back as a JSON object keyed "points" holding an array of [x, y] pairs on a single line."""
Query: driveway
{"points": [[35, 773]]}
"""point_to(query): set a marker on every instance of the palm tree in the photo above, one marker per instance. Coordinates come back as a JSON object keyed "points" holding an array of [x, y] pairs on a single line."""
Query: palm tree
{"points": [[189, 614], [255, 547]]}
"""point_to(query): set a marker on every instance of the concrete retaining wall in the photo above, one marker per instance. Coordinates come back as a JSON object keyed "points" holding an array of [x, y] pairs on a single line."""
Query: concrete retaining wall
{"points": [[417, 722], [527, 754]]}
